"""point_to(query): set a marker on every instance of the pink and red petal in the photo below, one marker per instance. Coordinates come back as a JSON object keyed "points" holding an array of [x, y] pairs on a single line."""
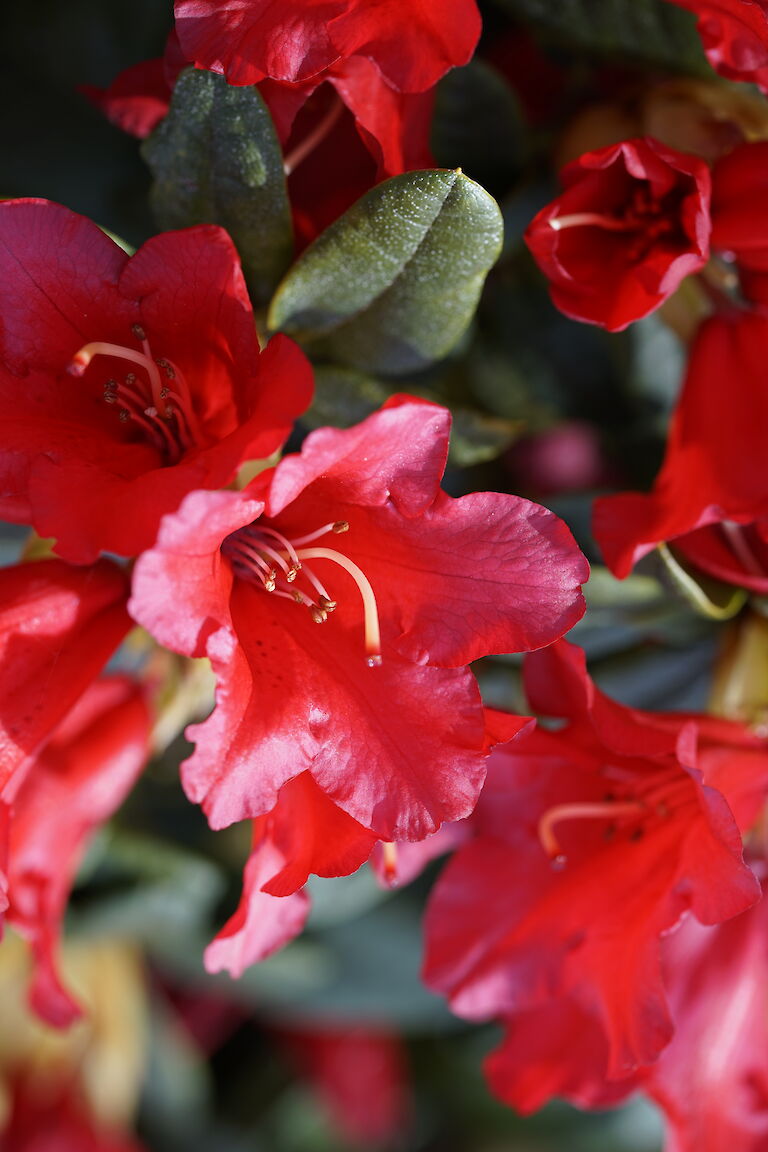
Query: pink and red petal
{"points": [[398, 747], [262, 923]]}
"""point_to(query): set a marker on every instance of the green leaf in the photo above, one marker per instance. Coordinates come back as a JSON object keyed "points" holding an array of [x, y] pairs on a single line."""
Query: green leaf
{"points": [[650, 30], [141, 886], [216, 159], [393, 285], [344, 396], [477, 124]]}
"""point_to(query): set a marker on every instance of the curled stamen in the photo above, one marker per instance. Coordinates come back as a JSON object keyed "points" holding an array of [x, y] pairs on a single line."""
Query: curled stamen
{"points": [[83, 357], [370, 608], [580, 811]]}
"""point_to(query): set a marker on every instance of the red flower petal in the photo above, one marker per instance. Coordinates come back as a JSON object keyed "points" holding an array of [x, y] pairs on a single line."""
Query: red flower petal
{"points": [[712, 1080], [412, 42], [262, 923], [710, 472], [735, 37], [58, 626], [75, 784], [397, 747]]}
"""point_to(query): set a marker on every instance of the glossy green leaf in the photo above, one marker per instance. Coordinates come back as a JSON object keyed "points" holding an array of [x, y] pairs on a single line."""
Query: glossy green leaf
{"points": [[650, 30], [393, 285], [216, 159]]}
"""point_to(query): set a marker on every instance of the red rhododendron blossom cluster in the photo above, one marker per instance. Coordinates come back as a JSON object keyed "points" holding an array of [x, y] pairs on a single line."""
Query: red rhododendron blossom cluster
{"points": [[621, 823], [255, 561], [336, 595]]}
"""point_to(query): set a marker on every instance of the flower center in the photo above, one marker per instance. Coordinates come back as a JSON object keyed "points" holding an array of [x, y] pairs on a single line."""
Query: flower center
{"points": [[627, 806], [264, 556], [643, 213], [156, 401], [315, 137]]}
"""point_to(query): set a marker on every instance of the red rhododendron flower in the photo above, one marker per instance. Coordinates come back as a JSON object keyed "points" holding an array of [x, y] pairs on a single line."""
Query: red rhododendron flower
{"points": [[419, 586], [632, 223], [58, 627], [126, 382], [735, 36], [74, 785], [712, 1080], [614, 830], [711, 496], [249, 40]]}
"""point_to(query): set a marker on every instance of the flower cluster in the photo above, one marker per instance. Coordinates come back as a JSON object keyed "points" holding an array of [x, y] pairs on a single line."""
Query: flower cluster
{"points": [[185, 500]]}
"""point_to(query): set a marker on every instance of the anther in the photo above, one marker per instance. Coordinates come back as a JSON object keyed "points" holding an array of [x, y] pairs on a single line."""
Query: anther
{"points": [[164, 393], [317, 614], [340, 526], [124, 415], [138, 331], [130, 379], [326, 604]]}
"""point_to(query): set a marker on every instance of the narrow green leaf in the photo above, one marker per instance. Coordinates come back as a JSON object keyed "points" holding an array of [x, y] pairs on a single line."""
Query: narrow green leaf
{"points": [[393, 285], [654, 31], [216, 159]]}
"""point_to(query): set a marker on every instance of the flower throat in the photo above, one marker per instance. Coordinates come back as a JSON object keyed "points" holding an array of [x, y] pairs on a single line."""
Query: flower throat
{"points": [[159, 405], [269, 559]]}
